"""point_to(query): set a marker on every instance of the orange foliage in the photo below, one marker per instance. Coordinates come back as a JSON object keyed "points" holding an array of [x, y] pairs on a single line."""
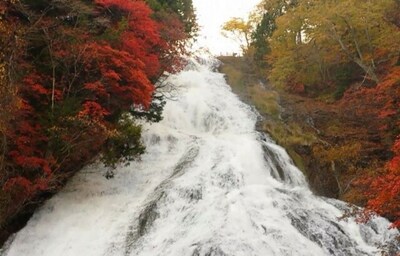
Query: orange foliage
{"points": [[383, 190], [119, 74]]}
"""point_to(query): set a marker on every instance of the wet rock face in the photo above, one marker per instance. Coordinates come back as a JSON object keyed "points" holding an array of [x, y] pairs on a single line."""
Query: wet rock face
{"points": [[320, 177], [147, 217], [270, 156], [302, 149], [333, 239], [213, 251]]}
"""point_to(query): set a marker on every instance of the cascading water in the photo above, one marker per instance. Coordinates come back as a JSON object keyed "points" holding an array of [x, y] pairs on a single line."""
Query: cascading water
{"points": [[208, 185]]}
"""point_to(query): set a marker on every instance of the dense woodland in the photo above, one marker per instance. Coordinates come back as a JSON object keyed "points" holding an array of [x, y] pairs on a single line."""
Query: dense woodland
{"points": [[75, 77], [344, 55]]}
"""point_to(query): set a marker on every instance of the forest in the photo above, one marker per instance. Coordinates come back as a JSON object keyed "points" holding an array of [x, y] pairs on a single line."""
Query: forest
{"points": [[75, 79], [338, 60]]}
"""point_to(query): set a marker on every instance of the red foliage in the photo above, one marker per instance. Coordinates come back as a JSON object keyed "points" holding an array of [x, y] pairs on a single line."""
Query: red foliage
{"points": [[98, 89], [20, 183], [383, 190], [93, 111], [22, 189], [36, 87], [78, 76], [142, 36], [28, 140], [389, 93], [28, 155], [107, 78], [25, 186], [173, 32], [394, 164], [119, 78]]}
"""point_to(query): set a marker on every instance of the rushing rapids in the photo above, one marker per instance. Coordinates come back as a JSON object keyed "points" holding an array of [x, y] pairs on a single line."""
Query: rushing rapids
{"points": [[209, 185]]}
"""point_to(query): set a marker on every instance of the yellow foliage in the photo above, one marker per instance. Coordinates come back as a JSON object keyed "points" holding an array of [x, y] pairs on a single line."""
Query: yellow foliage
{"points": [[240, 30], [349, 152], [317, 33]]}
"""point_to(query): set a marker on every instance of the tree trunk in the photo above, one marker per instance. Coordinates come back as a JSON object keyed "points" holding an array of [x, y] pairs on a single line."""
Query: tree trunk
{"points": [[335, 174], [369, 71]]}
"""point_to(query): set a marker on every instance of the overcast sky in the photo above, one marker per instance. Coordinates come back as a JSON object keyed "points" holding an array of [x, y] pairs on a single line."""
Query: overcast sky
{"points": [[212, 14]]}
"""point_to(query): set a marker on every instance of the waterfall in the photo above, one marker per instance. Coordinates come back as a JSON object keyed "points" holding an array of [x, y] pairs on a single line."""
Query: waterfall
{"points": [[209, 185]]}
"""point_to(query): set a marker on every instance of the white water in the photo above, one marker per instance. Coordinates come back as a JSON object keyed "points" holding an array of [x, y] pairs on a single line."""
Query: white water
{"points": [[209, 185]]}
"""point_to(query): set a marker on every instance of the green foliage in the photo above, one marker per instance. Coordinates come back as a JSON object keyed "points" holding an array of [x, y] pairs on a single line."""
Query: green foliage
{"points": [[261, 36], [183, 8], [343, 79], [154, 113], [155, 5], [113, 34], [124, 144]]}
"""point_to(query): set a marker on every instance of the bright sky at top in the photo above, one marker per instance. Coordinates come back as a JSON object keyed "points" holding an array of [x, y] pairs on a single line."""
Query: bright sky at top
{"points": [[212, 14]]}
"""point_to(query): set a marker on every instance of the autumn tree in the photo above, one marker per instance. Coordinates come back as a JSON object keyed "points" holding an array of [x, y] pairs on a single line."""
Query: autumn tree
{"points": [[335, 33], [239, 30], [381, 187], [183, 9], [344, 53], [384, 193], [73, 77], [267, 12]]}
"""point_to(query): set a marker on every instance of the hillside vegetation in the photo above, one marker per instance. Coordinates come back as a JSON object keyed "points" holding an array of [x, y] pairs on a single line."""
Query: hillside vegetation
{"points": [[75, 76], [334, 69]]}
